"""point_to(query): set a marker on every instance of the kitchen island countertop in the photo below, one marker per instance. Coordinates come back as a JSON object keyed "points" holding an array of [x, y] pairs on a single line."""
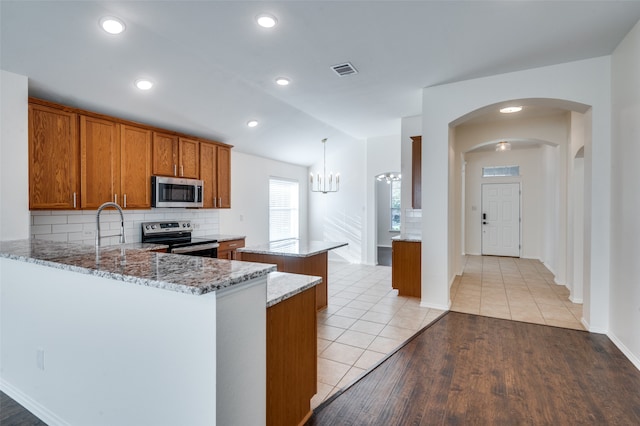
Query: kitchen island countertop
{"points": [[136, 263], [293, 248], [283, 285], [408, 238]]}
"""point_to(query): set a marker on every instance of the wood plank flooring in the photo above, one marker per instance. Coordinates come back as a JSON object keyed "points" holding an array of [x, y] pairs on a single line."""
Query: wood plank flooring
{"points": [[14, 414], [471, 370]]}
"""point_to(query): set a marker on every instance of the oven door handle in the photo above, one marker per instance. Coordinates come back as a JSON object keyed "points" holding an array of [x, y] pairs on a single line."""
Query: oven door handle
{"points": [[199, 247]]}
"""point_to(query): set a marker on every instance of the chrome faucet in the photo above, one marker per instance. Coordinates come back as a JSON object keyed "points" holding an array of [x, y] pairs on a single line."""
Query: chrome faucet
{"points": [[102, 207]]}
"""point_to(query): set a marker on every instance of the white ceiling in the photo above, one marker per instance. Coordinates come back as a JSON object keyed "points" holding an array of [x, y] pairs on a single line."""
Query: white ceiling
{"points": [[214, 68]]}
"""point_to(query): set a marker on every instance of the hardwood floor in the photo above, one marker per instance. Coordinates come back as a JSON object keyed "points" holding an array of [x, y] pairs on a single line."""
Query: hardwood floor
{"points": [[14, 414], [474, 370]]}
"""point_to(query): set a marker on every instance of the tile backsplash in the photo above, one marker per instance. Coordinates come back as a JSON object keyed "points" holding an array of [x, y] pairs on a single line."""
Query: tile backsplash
{"points": [[80, 225], [412, 222]]}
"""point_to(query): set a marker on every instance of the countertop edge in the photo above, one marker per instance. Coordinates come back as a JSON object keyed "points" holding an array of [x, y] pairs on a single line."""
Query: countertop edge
{"points": [[283, 285], [276, 252]]}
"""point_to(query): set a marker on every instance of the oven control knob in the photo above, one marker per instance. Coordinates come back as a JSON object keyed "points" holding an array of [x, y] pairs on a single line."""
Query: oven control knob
{"points": [[153, 227], [188, 225], [147, 227]]}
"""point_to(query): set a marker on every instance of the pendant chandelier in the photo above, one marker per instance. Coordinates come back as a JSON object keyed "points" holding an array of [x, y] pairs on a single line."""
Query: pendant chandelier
{"points": [[324, 183], [388, 177]]}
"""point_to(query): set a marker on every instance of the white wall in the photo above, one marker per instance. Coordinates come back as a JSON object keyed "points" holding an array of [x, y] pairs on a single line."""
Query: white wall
{"points": [[342, 216], [625, 198], [249, 213], [531, 213], [14, 157], [586, 82], [114, 353], [549, 129], [383, 155]]}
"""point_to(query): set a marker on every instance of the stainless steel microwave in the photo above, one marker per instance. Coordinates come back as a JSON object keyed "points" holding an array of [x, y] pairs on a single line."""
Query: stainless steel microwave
{"points": [[176, 192]]}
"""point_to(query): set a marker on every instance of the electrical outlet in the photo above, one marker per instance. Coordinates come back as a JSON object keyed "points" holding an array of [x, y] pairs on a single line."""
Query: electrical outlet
{"points": [[40, 358], [88, 233], [241, 217]]}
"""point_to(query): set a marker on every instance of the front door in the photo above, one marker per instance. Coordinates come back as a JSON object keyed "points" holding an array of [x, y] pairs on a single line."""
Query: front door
{"points": [[501, 219]]}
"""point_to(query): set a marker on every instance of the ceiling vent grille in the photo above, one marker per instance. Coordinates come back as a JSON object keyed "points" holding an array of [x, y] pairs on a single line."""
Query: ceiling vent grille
{"points": [[344, 69]]}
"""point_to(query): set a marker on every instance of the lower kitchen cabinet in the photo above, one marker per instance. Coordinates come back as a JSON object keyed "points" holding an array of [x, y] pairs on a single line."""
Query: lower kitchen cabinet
{"points": [[227, 249], [291, 359], [406, 270]]}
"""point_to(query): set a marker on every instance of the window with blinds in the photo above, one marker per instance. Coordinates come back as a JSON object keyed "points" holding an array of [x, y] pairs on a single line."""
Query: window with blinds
{"points": [[283, 209]]}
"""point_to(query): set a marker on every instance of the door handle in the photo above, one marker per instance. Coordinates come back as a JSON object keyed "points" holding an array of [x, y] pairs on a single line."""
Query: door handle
{"points": [[484, 223]]}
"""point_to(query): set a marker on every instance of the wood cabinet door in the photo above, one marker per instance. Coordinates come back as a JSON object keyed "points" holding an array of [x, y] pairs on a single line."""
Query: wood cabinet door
{"points": [[189, 155], [135, 167], [223, 173], [208, 175], [99, 161], [416, 172], [54, 159], [165, 149]]}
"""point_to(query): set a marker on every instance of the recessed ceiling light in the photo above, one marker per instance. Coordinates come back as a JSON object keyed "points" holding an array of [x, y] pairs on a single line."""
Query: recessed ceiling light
{"points": [[252, 123], [112, 25], [282, 81], [144, 84], [509, 110], [266, 20]]}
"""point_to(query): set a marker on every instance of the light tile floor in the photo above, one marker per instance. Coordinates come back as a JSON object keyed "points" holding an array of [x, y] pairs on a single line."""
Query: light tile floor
{"points": [[516, 289], [366, 319]]}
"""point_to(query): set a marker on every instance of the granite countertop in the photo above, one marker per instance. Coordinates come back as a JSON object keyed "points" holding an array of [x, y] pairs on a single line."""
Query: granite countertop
{"points": [[223, 237], [408, 237], [293, 248], [135, 263], [283, 285]]}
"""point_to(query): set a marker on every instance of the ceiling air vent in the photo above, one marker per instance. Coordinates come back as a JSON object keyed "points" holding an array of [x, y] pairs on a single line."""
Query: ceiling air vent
{"points": [[344, 69]]}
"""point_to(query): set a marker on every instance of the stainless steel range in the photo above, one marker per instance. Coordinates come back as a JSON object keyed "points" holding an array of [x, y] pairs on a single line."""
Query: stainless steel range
{"points": [[177, 235]]}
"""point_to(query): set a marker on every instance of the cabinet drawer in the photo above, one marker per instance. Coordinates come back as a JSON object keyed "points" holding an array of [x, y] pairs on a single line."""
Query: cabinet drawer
{"points": [[230, 245]]}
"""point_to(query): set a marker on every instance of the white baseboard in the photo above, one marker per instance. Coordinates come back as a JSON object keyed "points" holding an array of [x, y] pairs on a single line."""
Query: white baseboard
{"points": [[34, 407], [574, 300], [630, 355], [435, 306]]}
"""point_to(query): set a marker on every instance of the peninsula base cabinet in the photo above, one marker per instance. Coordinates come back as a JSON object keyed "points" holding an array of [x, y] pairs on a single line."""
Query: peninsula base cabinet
{"points": [[406, 270], [291, 359]]}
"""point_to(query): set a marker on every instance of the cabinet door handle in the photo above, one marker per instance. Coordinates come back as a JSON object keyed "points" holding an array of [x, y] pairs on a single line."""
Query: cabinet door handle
{"points": [[232, 245], [181, 170], [220, 201], [215, 202], [115, 198], [125, 200], [175, 170], [74, 200]]}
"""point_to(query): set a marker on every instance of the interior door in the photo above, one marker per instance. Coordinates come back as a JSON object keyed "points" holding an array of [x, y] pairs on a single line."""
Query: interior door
{"points": [[501, 219]]}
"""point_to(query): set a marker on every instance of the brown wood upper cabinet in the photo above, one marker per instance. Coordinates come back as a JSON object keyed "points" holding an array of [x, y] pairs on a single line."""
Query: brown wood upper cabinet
{"points": [[81, 159], [416, 172], [215, 171], [175, 156], [135, 167], [115, 164], [54, 158]]}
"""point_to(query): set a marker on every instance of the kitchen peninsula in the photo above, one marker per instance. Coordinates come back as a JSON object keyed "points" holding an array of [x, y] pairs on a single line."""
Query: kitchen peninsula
{"points": [[127, 335], [298, 257]]}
